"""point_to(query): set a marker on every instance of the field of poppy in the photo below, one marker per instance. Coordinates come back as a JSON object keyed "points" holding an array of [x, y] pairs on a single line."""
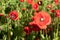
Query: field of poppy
{"points": [[29, 19]]}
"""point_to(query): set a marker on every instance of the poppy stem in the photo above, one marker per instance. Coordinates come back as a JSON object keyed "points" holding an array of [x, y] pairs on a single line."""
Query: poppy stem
{"points": [[8, 37]]}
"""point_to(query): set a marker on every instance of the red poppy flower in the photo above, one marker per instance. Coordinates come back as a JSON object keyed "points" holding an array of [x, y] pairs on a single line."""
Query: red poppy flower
{"points": [[58, 13], [35, 6], [41, 19], [35, 27], [52, 10], [29, 1], [13, 15], [56, 2], [27, 30], [21, 0]]}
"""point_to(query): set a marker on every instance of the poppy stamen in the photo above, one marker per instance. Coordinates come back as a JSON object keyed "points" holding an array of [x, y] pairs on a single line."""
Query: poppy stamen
{"points": [[41, 19]]}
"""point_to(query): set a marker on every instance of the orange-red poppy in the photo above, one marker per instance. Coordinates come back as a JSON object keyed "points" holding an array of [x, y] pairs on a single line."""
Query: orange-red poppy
{"points": [[41, 19]]}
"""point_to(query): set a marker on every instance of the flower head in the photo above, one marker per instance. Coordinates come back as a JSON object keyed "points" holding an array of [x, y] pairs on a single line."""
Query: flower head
{"points": [[41, 19], [35, 6], [57, 13], [56, 2], [39, 2], [34, 27], [52, 10], [13, 15], [29, 1], [27, 30], [21, 0]]}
